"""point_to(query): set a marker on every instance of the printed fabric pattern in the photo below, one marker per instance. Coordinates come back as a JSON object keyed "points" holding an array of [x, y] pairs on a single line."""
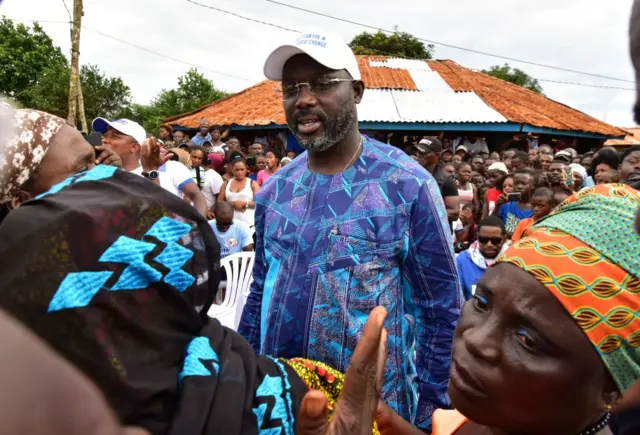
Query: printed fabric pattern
{"points": [[592, 271], [332, 247]]}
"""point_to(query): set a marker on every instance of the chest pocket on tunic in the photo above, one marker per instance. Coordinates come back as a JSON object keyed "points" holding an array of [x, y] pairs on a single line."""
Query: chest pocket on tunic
{"points": [[347, 251]]}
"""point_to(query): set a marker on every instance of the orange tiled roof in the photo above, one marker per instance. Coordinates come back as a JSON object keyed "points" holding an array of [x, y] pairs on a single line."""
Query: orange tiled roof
{"points": [[260, 106]]}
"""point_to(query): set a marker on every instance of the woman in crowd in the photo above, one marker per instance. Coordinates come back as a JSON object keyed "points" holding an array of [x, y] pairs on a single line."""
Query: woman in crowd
{"points": [[466, 190], [579, 175], [231, 155], [496, 176], [273, 164], [166, 137], [196, 155], [604, 166], [507, 185], [549, 342], [240, 191]]}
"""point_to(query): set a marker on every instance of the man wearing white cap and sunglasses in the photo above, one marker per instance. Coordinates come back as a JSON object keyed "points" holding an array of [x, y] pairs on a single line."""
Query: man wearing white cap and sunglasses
{"points": [[141, 156], [348, 225]]}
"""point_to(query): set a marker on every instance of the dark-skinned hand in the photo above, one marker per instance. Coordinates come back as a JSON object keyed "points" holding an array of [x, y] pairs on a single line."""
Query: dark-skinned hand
{"points": [[107, 157], [356, 408], [150, 157]]}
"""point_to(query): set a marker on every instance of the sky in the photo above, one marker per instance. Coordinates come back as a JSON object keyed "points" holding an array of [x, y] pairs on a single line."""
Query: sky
{"points": [[584, 35]]}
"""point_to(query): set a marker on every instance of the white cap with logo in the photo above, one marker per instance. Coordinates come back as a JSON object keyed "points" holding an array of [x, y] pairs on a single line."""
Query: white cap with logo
{"points": [[124, 126], [326, 48]]}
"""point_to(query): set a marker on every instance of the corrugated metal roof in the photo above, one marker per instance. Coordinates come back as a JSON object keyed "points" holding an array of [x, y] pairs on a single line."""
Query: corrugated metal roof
{"points": [[409, 106], [442, 91]]}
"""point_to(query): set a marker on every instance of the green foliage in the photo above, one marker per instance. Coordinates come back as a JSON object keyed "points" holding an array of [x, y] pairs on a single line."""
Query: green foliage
{"points": [[399, 44], [103, 96], [515, 76], [194, 90], [24, 54], [35, 73]]}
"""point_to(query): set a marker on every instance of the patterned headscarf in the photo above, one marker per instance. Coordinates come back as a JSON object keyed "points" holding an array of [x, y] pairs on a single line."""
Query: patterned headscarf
{"points": [[29, 138], [587, 253]]}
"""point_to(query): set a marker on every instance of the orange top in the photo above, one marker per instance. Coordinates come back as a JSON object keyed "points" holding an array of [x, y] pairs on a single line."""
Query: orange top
{"points": [[521, 228], [447, 422]]}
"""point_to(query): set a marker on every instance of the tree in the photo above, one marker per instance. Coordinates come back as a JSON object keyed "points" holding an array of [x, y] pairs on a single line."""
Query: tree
{"points": [[194, 90], [399, 44], [103, 96], [515, 76], [24, 54]]}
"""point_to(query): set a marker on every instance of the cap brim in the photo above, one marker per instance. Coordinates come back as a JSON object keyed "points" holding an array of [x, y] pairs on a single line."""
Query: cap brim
{"points": [[100, 125], [276, 60]]}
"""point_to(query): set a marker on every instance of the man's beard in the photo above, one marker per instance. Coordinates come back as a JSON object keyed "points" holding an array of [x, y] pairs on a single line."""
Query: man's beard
{"points": [[335, 128], [490, 257]]}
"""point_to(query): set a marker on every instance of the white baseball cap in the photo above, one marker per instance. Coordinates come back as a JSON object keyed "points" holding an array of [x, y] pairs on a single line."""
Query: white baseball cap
{"points": [[498, 166], [326, 48], [125, 126]]}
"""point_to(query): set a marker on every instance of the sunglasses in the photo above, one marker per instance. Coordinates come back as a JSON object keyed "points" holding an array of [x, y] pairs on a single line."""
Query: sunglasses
{"points": [[494, 240]]}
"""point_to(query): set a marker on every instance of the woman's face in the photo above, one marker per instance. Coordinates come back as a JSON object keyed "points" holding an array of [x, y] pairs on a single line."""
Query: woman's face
{"points": [[518, 358], [239, 170], [577, 181], [164, 133], [272, 161], [464, 173], [507, 187], [196, 158], [456, 159], [605, 174]]}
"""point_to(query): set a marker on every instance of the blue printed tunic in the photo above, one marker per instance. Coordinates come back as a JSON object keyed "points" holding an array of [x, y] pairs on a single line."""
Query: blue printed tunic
{"points": [[330, 248]]}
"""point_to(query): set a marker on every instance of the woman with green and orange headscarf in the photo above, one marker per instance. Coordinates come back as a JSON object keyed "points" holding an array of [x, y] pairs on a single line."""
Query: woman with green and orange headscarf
{"points": [[551, 339]]}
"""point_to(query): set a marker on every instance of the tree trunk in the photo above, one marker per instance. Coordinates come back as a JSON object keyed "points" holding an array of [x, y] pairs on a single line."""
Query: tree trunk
{"points": [[83, 117], [75, 61]]}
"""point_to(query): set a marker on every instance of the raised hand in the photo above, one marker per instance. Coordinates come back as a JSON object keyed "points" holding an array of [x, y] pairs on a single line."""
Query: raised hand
{"points": [[356, 408]]}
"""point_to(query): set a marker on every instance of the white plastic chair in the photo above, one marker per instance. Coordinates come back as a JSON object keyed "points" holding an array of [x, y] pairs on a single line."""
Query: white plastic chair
{"points": [[239, 269]]}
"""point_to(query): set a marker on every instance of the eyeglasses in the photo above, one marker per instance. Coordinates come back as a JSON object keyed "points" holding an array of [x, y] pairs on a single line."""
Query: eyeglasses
{"points": [[317, 86], [494, 240]]}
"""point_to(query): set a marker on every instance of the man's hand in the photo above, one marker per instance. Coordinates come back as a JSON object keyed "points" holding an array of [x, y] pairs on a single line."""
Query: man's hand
{"points": [[356, 407], [150, 157], [107, 157]]}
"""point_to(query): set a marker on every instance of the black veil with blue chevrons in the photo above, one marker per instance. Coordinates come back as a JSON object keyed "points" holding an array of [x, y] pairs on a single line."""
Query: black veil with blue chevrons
{"points": [[117, 275]]}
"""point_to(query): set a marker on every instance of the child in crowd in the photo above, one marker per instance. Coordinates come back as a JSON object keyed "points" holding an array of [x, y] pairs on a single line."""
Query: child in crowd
{"points": [[542, 203], [512, 212], [496, 174]]}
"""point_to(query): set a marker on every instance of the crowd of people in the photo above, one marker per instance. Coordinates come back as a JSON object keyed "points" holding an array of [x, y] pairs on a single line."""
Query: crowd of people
{"points": [[435, 289]]}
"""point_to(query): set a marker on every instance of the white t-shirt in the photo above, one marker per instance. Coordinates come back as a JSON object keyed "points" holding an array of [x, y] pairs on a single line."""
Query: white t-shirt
{"points": [[173, 176], [212, 183]]}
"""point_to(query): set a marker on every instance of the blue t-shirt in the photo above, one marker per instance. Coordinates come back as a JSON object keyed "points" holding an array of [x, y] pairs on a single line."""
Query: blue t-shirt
{"points": [[236, 238], [511, 215], [469, 274]]}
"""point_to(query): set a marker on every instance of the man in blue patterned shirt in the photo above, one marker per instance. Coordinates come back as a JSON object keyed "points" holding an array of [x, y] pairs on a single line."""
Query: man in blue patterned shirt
{"points": [[347, 226]]}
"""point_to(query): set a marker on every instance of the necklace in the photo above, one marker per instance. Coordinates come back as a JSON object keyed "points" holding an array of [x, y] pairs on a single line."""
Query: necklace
{"points": [[350, 160], [597, 426], [354, 156]]}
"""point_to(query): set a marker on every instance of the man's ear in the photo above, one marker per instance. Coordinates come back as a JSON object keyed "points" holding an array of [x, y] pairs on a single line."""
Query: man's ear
{"points": [[20, 198], [358, 90]]}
